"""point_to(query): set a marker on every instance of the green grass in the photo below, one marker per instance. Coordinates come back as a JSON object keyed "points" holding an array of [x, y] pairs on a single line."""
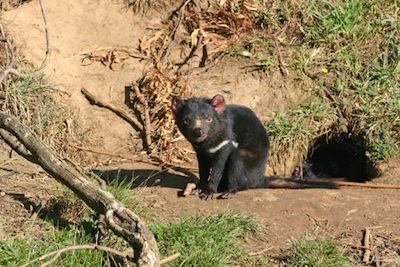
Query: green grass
{"points": [[31, 98], [20, 249], [293, 130], [215, 240], [355, 41], [317, 252], [365, 59], [121, 188], [35, 101], [353, 48], [70, 223]]}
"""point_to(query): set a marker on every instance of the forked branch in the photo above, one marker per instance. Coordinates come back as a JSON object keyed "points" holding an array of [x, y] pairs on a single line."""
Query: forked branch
{"points": [[120, 220]]}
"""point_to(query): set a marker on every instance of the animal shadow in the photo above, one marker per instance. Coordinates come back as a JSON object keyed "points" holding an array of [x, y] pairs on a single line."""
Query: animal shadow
{"points": [[144, 177]]}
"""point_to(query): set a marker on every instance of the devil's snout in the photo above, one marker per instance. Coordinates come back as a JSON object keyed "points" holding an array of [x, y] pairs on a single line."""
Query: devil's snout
{"points": [[198, 132]]}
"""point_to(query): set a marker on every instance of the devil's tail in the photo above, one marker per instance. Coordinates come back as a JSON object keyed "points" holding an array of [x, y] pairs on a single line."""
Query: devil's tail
{"points": [[294, 183]]}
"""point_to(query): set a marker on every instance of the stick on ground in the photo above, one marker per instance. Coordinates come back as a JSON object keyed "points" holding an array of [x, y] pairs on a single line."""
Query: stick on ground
{"points": [[122, 221], [120, 112]]}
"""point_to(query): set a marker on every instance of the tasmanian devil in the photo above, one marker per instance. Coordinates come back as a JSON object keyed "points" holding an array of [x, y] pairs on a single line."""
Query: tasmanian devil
{"points": [[231, 145]]}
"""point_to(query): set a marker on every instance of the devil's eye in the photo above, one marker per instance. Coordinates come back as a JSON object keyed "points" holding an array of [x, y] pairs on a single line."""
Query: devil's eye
{"points": [[185, 120]]}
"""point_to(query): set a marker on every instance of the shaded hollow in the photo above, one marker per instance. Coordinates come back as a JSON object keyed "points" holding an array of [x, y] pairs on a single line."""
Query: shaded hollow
{"points": [[340, 157]]}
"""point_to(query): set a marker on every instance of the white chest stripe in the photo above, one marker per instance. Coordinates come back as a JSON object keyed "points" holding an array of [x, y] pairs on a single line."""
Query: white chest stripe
{"points": [[221, 145]]}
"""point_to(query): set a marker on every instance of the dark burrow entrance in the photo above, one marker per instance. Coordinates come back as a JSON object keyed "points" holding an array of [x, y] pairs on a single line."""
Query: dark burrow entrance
{"points": [[340, 157]]}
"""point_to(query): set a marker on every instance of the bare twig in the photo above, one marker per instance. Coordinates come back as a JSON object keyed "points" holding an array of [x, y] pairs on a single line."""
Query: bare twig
{"points": [[147, 127], [10, 59], [170, 258], [356, 246], [369, 185], [261, 251], [104, 153], [8, 49], [58, 253], [281, 62], [174, 33], [88, 53], [14, 72], [46, 27], [176, 168], [122, 113], [199, 45], [366, 241], [189, 188]]}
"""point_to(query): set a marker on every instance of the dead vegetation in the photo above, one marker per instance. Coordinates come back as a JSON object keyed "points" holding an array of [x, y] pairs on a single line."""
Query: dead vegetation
{"points": [[27, 94], [206, 34], [10, 4], [207, 30], [198, 35]]}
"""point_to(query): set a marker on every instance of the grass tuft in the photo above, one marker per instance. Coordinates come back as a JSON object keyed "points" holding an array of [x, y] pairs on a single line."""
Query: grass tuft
{"points": [[121, 188], [215, 240], [318, 252], [19, 249], [351, 50], [36, 102]]}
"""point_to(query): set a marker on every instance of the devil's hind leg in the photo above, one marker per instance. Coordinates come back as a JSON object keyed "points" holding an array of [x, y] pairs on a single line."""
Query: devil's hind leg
{"points": [[245, 170]]}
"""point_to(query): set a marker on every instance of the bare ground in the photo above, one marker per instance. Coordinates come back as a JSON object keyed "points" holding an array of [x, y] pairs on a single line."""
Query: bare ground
{"points": [[79, 26]]}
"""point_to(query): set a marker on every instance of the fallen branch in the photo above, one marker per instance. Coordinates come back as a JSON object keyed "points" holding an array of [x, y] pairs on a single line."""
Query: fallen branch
{"points": [[122, 113], [120, 220]]}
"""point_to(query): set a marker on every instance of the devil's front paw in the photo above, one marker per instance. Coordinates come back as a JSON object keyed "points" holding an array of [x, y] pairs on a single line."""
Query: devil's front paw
{"points": [[206, 195], [196, 191], [227, 194], [200, 188]]}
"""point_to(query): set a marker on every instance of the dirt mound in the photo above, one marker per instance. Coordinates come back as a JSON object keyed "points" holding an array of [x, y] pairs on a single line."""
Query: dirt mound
{"points": [[79, 29]]}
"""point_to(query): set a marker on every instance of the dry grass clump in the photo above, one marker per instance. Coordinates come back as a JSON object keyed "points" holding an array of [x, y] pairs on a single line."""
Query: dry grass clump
{"points": [[208, 30], [11, 4], [28, 95], [36, 103]]}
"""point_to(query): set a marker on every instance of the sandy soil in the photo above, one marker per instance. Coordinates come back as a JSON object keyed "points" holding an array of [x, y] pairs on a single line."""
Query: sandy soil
{"points": [[81, 26]]}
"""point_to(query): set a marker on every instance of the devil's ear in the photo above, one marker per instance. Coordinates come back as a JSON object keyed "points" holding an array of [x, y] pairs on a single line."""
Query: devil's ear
{"points": [[177, 103], [218, 102]]}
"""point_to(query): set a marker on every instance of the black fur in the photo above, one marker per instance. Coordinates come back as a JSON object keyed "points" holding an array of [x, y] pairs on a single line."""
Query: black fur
{"points": [[231, 145]]}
